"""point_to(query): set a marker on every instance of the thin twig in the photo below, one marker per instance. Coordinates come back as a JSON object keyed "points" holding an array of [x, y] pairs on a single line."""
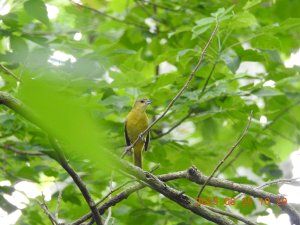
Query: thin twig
{"points": [[209, 76], [164, 7], [230, 162], [114, 190], [276, 118], [109, 16], [44, 206], [20, 152], [227, 155], [173, 127], [284, 136], [109, 209], [9, 72], [282, 113], [235, 216], [279, 181], [189, 114], [142, 6], [154, 168], [58, 203], [192, 74], [77, 180]]}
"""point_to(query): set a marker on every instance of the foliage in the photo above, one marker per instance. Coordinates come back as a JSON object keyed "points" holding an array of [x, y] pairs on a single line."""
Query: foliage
{"points": [[84, 98]]}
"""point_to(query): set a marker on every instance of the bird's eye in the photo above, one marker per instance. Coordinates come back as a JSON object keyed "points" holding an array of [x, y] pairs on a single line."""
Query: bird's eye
{"points": [[142, 101]]}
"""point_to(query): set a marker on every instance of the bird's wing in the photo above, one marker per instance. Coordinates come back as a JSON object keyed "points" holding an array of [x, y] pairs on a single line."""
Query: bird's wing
{"points": [[126, 136], [147, 141]]}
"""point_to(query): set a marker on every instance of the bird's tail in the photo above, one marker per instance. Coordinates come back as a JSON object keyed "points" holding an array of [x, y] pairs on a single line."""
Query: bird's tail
{"points": [[137, 154]]}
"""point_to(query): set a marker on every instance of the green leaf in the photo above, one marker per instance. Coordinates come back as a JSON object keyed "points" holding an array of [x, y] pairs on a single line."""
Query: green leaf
{"points": [[266, 42], [242, 20], [11, 20], [264, 92], [221, 12], [9, 207], [19, 47], [197, 30], [273, 170], [37, 9], [62, 115], [231, 59], [205, 21], [251, 3]]}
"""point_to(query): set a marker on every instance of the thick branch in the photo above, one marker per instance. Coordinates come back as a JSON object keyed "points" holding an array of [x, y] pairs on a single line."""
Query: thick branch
{"points": [[194, 175], [157, 184]]}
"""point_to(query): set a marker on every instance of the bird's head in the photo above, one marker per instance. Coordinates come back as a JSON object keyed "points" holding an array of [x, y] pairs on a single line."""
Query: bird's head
{"points": [[141, 104]]}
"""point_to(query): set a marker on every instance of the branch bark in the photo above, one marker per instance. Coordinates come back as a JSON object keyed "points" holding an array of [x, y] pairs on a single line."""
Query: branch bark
{"points": [[194, 175], [157, 184]]}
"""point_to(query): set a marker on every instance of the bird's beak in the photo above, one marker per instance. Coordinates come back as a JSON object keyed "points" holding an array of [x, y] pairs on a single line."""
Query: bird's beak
{"points": [[148, 102]]}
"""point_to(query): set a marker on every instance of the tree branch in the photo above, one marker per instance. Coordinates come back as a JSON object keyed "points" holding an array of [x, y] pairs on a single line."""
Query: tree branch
{"points": [[155, 183], [164, 7], [276, 118], [282, 113], [194, 175], [10, 148], [185, 86], [9, 72], [173, 127], [279, 181], [114, 190], [20, 108], [77, 180], [58, 203], [228, 154], [109, 210], [235, 216], [47, 212], [109, 16]]}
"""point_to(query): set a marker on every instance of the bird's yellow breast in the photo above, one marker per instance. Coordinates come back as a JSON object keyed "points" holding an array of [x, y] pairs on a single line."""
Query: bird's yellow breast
{"points": [[136, 123]]}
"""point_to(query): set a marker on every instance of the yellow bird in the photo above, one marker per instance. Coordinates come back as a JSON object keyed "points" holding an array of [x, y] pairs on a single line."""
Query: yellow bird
{"points": [[137, 122]]}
